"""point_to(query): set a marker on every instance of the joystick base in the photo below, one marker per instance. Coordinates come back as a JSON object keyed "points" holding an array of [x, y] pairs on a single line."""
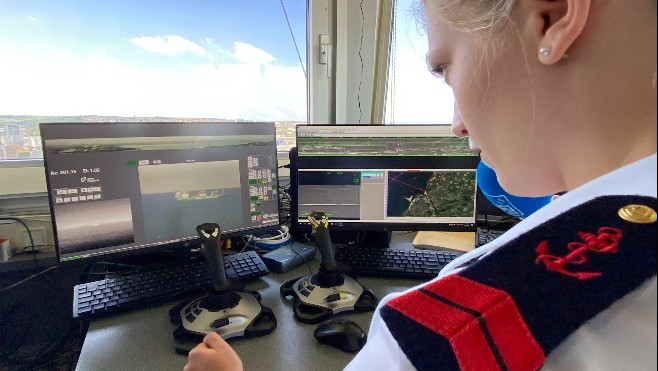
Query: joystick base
{"points": [[313, 303], [245, 317]]}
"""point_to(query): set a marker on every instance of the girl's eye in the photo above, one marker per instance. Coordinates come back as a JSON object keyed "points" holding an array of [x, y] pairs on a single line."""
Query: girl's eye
{"points": [[439, 71]]}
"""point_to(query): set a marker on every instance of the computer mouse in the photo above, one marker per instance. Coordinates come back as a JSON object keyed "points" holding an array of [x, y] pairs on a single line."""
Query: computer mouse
{"points": [[341, 333]]}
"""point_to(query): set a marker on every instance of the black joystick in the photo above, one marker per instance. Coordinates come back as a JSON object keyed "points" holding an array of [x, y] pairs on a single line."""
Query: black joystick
{"points": [[320, 224], [327, 275], [226, 309], [317, 297], [222, 295], [211, 251]]}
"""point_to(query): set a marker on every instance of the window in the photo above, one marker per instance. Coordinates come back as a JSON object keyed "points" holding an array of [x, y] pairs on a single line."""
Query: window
{"points": [[78, 60], [414, 96]]}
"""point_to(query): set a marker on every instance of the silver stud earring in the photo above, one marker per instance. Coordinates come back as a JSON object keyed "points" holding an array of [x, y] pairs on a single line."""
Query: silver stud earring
{"points": [[545, 51]]}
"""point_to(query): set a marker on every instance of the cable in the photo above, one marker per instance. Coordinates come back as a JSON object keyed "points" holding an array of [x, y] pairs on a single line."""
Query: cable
{"points": [[285, 203], [301, 257], [293, 38], [30, 217], [247, 239], [282, 233], [29, 233], [28, 278], [281, 238]]}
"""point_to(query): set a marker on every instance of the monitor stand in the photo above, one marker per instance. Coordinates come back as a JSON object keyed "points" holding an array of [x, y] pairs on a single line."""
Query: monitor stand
{"points": [[227, 309], [369, 238], [380, 239], [319, 296]]}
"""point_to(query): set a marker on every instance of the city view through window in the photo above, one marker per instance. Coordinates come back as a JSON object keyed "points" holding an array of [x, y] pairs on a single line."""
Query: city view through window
{"points": [[196, 61], [20, 139]]}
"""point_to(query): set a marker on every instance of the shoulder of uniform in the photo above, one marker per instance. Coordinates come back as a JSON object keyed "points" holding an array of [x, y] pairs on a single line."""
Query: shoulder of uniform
{"points": [[518, 302]]}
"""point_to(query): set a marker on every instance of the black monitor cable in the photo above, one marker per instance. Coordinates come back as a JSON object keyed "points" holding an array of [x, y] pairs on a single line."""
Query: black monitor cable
{"points": [[284, 204], [6, 288], [36, 263], [292, 248], [29, 232], [34, 257]]}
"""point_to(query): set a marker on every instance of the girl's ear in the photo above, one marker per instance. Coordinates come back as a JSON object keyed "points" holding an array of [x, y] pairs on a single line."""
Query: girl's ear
{"points": [[557, 24]]}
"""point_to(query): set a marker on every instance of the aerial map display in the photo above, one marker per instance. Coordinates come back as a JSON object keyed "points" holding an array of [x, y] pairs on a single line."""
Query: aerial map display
{"points": [[431, 193]]}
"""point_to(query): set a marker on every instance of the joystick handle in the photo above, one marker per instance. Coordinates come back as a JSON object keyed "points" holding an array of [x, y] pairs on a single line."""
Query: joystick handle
{"points": [[209, 234], [320, 224]]}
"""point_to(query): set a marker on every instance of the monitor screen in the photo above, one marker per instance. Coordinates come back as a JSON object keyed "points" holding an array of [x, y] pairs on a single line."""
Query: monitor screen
{"points": [[485, 207], [123, 188], [406, 177]]}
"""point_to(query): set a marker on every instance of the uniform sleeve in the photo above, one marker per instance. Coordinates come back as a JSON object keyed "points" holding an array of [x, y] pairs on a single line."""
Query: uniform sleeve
{"points": [[381, 351]]}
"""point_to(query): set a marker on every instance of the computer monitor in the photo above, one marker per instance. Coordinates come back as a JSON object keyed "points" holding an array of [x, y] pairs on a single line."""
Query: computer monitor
{"points": [[384, 178], [486, 208], [120, 188]]}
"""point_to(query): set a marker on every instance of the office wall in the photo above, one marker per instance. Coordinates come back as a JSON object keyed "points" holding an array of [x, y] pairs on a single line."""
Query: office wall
{"points": [[23, 195], [18, 177]]}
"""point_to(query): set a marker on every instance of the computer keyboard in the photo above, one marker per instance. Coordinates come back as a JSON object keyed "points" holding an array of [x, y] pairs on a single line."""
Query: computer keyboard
{"points": [[484, 236], [149, 286], [387, 262]]}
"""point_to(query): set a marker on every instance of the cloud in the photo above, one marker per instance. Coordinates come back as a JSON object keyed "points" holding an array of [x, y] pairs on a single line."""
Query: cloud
{"points": [[32, 18], [171, 45], [248, 53], [97, 84]]}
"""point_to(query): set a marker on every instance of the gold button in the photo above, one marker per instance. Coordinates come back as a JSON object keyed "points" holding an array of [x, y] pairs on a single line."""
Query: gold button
{"points": [[638, 214]]}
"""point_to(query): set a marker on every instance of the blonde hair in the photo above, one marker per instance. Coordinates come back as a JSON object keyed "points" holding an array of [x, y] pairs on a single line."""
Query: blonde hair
{"points": [[471, 15]]}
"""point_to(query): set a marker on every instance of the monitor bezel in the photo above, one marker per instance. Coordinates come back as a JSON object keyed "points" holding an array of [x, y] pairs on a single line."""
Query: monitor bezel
{"points": [[133, 251]]}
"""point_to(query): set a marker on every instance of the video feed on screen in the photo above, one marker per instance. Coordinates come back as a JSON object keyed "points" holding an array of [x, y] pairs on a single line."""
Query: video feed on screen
{"points": [[408, 177], [121, 187]]}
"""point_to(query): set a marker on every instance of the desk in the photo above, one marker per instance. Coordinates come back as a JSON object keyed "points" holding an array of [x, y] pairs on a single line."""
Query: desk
{"points": [[142, 339]]}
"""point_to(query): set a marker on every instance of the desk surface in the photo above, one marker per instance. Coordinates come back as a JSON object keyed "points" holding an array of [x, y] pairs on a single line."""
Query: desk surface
{"points": [[143, 340]]}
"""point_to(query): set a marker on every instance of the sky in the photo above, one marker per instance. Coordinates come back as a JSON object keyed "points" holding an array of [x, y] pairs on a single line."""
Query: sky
{"points": [[208, 59], [414, 95], [195, 58]]}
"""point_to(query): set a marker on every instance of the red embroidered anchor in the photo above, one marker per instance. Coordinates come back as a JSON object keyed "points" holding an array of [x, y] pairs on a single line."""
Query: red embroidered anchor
{"points": [[606, 241]]}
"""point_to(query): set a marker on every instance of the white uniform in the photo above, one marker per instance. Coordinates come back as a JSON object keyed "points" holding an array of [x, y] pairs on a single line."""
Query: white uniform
{"points": [[621, 337]]}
